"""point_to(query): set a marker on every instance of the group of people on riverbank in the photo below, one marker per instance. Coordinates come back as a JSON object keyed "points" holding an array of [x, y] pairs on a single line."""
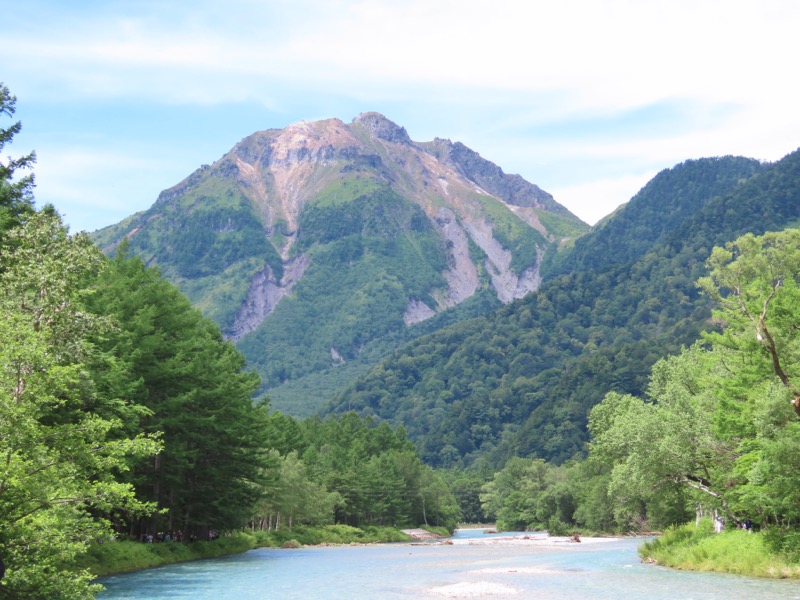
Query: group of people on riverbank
{"points": [[719, 525], [176, 536], [169, 536]]}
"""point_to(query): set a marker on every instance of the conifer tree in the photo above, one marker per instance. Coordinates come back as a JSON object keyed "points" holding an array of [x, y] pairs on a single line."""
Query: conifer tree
{"points": [[16, 193], [175, 362]]}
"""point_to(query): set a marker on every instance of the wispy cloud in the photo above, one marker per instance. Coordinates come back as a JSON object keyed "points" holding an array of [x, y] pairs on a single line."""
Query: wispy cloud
{"points": [[554, 90]]}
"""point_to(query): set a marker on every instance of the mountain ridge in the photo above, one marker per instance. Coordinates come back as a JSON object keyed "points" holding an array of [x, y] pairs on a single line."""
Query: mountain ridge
{"points": [[520, 381], [272, 218]]}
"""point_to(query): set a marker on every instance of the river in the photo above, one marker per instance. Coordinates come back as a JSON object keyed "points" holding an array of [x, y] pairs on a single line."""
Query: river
{"points": [[474, 566]]}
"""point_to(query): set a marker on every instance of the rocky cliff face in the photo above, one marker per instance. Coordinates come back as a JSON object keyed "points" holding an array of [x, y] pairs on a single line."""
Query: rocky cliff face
{"points": [[282, 170], [242, 235], [513, 189]]}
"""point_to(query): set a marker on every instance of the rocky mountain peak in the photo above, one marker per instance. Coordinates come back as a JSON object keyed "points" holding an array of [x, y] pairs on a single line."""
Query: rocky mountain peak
{"points": [[383, 128], [512, 188], [347, 231]]}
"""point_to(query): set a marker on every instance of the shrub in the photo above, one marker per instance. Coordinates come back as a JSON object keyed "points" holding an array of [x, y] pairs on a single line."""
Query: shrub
{"points": [[783, 542], [556, 526]]}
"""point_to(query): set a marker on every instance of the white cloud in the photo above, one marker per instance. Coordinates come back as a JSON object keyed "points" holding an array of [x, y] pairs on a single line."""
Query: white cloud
{"points": [[95, 187], [594, 200], [491, 74], [606, 55]]}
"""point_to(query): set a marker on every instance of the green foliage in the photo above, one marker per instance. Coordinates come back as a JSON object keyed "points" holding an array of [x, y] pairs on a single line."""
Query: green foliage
{"points": [[219, 295], [521, 381], [644, 223], [296, 496], [513, 234], [62, 441], [370, 255], [210, 232], [368, 258], [120, 556], [561, 227], [783, 542], [329, 534], [716, 431], [380, 214], [172, 360], [513, 493], [719, 427], [216, 245], [120, 398], [104, 357], [345, 191], [466, 488], [754, 280], [352, 471], [303, 396], [531, 494], [495, 384], [212, 237]]}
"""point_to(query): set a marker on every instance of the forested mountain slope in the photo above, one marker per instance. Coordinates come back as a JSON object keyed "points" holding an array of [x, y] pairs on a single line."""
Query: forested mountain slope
{"points": [[520, 381], [654, 213], [317, 247]]}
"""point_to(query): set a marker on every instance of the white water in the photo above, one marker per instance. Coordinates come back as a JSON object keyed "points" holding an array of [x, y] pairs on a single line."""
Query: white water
{"points": [[565, 571]]}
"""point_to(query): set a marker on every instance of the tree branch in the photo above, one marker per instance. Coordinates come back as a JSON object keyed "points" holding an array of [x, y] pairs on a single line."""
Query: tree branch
{"points": [[703, 485], [764, 336]]}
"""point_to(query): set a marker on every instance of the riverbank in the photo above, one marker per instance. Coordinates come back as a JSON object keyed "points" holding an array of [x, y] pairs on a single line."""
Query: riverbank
{"points": [[684, 548], [545, 570], [111, 558], [699, 548]]}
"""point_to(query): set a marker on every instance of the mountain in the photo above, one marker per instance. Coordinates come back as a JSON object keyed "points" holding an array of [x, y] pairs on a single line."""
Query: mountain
{"points": [[320, 247], [653, 214], [520, 381]]}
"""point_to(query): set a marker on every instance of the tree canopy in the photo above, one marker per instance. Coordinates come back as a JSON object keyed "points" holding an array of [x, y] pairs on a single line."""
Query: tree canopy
{"points": [[714, 432], [718, 417], [62, 442], [174, 362], [126, 414]]}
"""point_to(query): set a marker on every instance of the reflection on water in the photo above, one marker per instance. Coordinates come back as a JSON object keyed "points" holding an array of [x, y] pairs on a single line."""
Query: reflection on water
{"points": [[566, 571]]}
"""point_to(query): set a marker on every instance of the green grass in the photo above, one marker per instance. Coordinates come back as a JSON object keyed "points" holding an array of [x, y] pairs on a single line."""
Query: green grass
{"points": [[344, 191], [124, 556], [560, 226], [735, 551], [330, 534]]}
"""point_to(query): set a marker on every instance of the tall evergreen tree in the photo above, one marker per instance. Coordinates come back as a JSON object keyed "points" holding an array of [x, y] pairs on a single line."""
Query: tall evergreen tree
{"points": [[175, 362], [16, 193]]}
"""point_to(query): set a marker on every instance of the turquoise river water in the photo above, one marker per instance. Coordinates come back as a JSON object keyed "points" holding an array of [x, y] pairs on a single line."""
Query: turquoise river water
{"points": [[472, 567]]}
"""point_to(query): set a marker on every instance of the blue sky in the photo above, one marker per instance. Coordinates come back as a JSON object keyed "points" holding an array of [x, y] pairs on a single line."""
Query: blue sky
{"points": [[587, 99]]}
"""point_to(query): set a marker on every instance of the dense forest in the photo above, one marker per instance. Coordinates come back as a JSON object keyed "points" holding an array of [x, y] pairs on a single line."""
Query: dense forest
{"points": [[521, 381], [125, 413], [715, 432]]}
